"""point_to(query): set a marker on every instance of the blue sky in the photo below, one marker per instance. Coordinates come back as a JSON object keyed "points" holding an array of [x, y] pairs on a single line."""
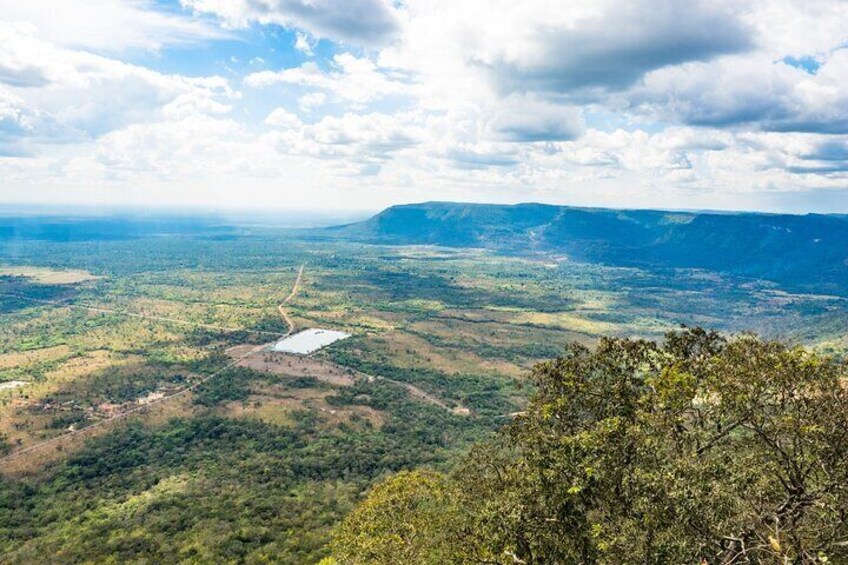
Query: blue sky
{"points": [[355, 105]]}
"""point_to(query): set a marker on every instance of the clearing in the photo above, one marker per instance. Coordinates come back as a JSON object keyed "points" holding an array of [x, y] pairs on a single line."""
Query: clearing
{"points": [[293, 365], [45, 275]]}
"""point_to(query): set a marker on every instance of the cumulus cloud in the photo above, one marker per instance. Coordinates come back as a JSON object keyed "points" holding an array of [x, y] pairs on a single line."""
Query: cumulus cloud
{"points": [[303, 44], [15, 125], [351, 78], [190, 145], [480, 155], [576, 48], [282, 118], [683, 102], [108, 25], [523, 119], [354, 21], [615, 46], [352, 143], [311, 101], [754, 92], [74, 95]]}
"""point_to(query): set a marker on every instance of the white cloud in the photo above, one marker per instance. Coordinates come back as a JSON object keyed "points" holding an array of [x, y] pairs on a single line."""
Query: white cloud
{"points": [[311, 101], [354, 79], [352, 144], [546, 46], [303, 44], [524, 119], [15, 124], [107, 25], [73, 94], [282, 118], [753, 92], [354, 21], [652, 102]]}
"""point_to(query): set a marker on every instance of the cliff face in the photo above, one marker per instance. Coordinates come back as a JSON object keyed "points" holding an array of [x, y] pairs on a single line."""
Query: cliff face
{"points": [[804, 252]]}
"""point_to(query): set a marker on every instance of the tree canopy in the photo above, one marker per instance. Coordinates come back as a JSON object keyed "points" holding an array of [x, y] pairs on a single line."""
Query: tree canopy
{"points": [[701, 449]]}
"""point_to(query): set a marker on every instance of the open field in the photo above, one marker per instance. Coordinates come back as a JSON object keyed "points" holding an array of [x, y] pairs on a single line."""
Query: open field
{"points": [[293, 366]]}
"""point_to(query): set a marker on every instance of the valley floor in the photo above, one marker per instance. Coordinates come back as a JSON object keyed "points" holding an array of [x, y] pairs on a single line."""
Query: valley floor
{"points": [[145, 381]]}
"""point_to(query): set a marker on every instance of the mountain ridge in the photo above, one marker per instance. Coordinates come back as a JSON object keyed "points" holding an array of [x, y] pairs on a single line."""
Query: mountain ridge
{"points": [[805, 252]]}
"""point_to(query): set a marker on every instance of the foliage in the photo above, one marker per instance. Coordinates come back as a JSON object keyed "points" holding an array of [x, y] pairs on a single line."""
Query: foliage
{"points": [[211, 489], [294, 454], [399, 522], [697, 450]]}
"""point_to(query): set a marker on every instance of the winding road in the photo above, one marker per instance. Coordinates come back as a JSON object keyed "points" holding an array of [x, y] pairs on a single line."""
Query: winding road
{"points": [[281, 307]]}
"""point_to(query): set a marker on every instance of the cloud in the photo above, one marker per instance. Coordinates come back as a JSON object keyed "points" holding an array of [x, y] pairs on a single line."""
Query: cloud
{"points": [[108, 25], [582, 48], [751, 92], [351, 78], [522, 119], [303, 45], [677, 102], [481, 156], [282, 118], [618, 45], [361, 22], [378, 133], [189, 146], [15, 125], [813, 155], [25, 60], [829, 150], [351, 144], [311, 101], [71, 95]]}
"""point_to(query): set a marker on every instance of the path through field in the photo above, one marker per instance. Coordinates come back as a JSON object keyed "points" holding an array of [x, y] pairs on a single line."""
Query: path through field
{"points": [[281, 308], [416, 392]]}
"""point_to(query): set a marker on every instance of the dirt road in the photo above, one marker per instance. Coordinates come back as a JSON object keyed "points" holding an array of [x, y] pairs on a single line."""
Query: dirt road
{"points": [[281, 307]]}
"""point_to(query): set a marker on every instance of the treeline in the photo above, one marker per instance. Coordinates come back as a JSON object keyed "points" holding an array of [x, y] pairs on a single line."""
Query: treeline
{"points": [[697, 450]]}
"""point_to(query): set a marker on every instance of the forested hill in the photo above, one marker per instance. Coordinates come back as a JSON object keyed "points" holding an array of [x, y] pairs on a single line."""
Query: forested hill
{"points": [[802, 252]]}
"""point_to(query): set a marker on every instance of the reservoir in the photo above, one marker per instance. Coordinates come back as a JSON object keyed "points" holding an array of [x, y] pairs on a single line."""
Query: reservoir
{"points": [[308, 341]]}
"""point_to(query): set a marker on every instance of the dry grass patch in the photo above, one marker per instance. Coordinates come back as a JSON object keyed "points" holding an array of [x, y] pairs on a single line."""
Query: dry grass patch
{"points": [[412, 351], [34, 356], [45, 275], [294, 366], [278, 405]]}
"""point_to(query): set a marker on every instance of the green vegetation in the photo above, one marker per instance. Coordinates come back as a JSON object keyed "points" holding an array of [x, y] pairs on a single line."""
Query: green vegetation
{"points": [[211, 489], [256, 466], [700, 450], [801, 252]]}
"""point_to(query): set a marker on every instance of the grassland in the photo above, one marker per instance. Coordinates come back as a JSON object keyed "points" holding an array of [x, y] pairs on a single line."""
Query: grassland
{"points": [[46, 275]]}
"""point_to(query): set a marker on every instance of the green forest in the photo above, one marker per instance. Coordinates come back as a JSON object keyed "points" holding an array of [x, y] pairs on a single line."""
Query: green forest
{"points": [[487, 408], [696, 450]]}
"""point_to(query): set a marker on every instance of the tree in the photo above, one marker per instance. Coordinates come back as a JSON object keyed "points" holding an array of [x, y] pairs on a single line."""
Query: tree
{"points": [[397, 523], [700, 449]]}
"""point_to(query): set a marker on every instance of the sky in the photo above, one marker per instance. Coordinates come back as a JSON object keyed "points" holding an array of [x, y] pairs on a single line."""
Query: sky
{"points": [[360, 104]]}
